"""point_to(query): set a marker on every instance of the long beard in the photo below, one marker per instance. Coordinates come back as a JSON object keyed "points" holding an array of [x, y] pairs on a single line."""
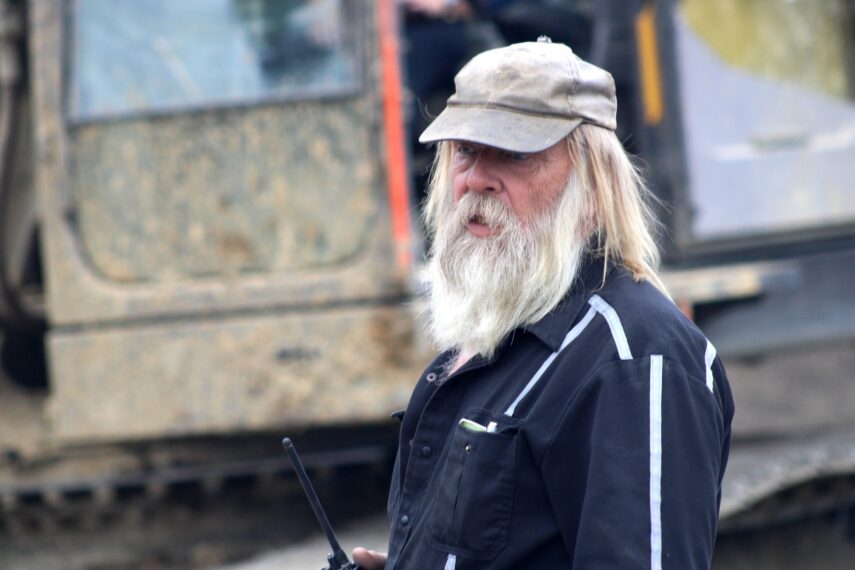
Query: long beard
{"points": [[481, 289]]}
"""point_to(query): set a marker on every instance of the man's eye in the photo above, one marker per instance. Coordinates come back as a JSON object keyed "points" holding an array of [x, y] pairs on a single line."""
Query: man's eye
{"points": [[465, 150], [518, 156]]}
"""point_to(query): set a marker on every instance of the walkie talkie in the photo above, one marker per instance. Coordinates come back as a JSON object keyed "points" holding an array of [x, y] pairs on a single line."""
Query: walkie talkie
{"points": [[338, 560]]}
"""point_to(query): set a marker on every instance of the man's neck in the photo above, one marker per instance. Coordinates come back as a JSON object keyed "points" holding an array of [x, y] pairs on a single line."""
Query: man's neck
{"points": [[462, 358]]}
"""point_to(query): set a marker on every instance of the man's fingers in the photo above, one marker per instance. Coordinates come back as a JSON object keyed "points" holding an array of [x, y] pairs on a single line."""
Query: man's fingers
{"points": [[369, 559]]}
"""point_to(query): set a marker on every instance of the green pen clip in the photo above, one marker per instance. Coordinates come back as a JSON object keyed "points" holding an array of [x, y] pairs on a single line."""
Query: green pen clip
{"points": [[469, 425]]}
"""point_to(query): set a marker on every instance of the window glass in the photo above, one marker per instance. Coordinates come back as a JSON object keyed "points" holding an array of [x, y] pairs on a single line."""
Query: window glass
{"points": [[768, 112], [804, 42], [131, 57]]}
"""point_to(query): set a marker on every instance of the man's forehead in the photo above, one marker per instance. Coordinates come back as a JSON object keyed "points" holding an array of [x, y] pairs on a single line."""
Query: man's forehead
{"points": [[456, 143], [475, 145]]}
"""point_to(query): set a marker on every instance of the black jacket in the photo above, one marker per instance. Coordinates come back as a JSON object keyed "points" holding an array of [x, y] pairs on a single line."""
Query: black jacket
{"points": [[611, 457]]}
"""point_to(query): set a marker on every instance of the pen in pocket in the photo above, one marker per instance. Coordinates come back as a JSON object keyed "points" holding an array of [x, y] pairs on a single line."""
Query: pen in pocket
{"points": [[469, 425]]}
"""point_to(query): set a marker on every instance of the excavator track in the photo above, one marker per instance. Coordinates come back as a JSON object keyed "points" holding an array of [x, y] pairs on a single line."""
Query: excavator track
{"points": [[193, 516]]}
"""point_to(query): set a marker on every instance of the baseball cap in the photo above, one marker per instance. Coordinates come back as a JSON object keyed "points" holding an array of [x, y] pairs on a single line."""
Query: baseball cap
{"points": [[525, 98]]}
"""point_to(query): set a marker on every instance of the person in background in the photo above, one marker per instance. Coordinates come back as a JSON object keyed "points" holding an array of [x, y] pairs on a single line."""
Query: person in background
{"points": [[436, 45]]}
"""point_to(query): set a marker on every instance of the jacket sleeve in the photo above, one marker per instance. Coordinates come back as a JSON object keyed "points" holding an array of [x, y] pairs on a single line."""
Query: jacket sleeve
{"points": [[633, 471]]}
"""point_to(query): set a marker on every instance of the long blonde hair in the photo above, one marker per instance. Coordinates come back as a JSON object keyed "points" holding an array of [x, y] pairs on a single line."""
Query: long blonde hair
{"points": [[439, 184], [623, 224]]}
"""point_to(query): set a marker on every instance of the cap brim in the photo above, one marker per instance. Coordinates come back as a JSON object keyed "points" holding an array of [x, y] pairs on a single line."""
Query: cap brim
{"points": [[499, 128]]}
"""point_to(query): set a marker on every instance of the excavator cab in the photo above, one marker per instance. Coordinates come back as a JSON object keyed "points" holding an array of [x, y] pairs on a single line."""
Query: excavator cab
{"points": [[225, 249]]}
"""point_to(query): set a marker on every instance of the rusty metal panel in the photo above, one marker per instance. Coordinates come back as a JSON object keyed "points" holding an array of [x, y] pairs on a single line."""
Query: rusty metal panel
{"points": [[269, 189], [251, 373]]}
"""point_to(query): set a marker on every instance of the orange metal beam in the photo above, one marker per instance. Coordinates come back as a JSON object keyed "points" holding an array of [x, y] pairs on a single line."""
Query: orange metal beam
{"points": [[648, 59], [396, 163]]}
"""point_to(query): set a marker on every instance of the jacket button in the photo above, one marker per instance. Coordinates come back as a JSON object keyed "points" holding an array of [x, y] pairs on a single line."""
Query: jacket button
{"points": [[431, 377], [405, 520], [426, 451]]}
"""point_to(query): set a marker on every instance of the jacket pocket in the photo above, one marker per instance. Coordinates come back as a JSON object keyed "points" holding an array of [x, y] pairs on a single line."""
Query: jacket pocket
{"points": [[472, 509]]}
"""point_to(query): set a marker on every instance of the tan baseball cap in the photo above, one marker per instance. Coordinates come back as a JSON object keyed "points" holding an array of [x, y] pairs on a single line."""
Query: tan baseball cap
{"points": [[525, 98]]}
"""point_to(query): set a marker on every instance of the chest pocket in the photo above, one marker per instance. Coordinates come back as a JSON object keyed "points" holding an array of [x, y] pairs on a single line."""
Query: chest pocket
{"points": [[472, 508]]}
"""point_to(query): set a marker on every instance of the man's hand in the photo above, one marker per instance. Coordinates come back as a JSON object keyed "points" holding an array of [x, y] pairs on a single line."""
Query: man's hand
{"points": [[369, 559]]}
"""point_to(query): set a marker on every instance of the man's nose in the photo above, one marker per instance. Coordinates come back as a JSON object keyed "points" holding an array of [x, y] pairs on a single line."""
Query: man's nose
{"points": [[482, 177]]}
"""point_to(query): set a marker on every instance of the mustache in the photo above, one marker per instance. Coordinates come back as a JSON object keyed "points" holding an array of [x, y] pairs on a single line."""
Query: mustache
{"points": [[484, 209]]}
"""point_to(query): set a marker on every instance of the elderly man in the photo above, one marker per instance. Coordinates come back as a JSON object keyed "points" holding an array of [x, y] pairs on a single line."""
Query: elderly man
{"points": [[575, 418]]}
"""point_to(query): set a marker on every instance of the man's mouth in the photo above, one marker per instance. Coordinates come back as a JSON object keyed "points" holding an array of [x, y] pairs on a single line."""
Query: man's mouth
{"points": [[479, 227]]}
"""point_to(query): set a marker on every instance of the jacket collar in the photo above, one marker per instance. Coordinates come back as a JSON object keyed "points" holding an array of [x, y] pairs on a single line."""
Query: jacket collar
{"points": [[552, 328]]}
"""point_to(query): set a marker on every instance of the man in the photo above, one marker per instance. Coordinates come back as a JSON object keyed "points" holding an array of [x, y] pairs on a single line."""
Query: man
{"points": [[575, 418]]}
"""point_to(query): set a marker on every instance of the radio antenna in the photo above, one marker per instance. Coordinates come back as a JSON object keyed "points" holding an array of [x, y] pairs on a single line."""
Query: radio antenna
{"points": [[338, 559]]}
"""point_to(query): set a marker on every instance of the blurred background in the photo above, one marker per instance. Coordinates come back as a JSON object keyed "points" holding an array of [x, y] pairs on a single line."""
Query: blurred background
{"points": [[209, 222]]}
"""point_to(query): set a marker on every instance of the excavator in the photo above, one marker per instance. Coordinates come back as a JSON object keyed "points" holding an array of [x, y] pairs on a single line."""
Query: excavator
{"points": [[207, 234]]}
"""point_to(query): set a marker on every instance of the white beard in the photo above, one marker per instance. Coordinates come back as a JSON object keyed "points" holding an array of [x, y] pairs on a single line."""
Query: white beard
{"points": [[481, 289]]}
